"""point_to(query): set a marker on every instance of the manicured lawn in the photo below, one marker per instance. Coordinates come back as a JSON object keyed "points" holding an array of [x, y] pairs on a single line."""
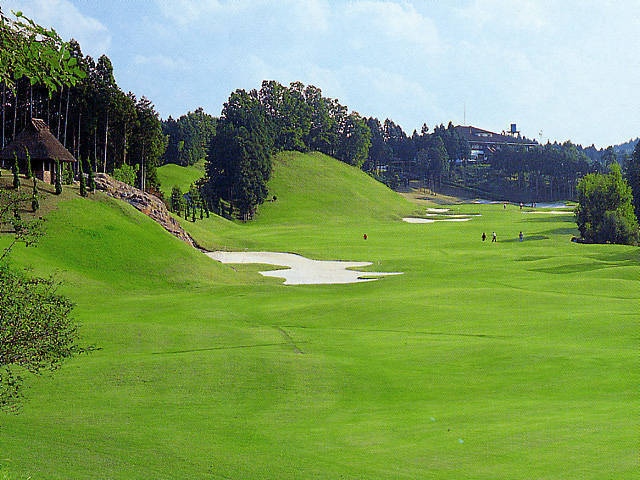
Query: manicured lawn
{"points": [[509, 360]]}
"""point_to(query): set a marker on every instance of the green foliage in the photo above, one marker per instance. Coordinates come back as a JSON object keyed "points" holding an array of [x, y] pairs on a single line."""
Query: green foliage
{"points": [[29, 173], [188, 137], [276, 118], [58, 179], [239, 163], [92, 179], [35, 202], [37, 53], [83, 182], [176, 200], [67, 173], [632, 174], [127, 174], [36, 331], [15, 170], [605, 210]]}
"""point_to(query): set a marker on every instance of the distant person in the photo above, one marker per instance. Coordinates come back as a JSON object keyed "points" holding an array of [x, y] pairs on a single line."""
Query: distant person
{"points": [[521, 205], [504, 205], [364, 236], [494, 237], [484, 236], [521, 236]]}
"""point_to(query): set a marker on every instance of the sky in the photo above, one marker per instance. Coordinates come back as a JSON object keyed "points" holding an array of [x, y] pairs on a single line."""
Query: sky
{"points": [[560, 70]]}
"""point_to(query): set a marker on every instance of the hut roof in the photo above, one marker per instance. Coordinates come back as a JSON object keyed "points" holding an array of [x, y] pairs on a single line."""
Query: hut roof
{"points": [[40, 142]]}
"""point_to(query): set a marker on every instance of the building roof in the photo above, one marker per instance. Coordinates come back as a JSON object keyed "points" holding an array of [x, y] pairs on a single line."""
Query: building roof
{"points": [[477, 135], [40, 142]]}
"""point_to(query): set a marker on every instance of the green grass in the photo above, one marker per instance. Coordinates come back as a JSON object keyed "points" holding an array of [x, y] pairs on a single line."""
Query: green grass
{"points": [[171, 175], [511, 360]]}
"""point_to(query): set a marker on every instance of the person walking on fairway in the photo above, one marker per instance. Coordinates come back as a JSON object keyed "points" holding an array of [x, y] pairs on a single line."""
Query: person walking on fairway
{"points": [[521, 236], [494, 237], [484, 236]]}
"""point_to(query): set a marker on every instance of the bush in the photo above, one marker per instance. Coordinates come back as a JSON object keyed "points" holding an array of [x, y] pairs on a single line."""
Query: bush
{"points": [[127, 174]]}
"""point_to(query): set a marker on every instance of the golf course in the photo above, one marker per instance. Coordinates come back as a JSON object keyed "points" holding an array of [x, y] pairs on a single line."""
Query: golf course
{"points": [[476, 360]]}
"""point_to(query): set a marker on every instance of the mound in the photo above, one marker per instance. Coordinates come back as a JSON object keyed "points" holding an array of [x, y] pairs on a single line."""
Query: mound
{"points": [[315, 186]]}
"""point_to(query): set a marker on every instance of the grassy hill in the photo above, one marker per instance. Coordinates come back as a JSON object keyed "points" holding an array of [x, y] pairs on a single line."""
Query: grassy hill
{"points": [[171, 175], [509, 360]]}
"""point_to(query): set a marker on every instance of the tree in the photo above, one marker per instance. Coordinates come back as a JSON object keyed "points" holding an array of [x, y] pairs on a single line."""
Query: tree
{"points": [[35, 202], [605, 210], [83, 183], [632, 174], [176, 200], [58, 180], [354, 141], [36, 53], [37, 331], [239, 164], [15, 170]]}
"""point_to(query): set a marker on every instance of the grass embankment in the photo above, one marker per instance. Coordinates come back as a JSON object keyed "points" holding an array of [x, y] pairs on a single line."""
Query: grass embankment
{"points": [[172, 175], [508, 360]]}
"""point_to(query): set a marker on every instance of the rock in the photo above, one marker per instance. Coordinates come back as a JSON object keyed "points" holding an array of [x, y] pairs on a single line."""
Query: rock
{"points": [[148, 204]]}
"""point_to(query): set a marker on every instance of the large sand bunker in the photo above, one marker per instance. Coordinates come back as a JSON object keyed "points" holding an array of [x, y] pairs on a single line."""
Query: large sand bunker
{"points": [[302, 271]]}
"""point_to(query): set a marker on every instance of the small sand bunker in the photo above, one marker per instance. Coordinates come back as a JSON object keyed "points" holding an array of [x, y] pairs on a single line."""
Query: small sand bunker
{"points": [[301, 270], [437, 210], [434, 220]]}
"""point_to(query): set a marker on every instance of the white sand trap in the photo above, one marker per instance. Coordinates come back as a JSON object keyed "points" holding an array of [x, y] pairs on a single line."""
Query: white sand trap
{"points": [[302, 271], [439, 216], [437, 210], [434, 220]]}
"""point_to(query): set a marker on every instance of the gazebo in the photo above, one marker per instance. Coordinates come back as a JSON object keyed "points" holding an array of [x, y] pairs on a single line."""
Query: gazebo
{"points": [[43, 148]]}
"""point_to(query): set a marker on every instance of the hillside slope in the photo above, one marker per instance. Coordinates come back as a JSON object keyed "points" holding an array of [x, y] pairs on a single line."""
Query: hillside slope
{"points": [[314, 184], [318, 201], [171, 175]]}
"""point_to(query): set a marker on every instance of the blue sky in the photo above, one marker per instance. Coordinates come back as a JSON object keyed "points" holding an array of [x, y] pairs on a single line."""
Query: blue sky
{"points": [[561, 70]]}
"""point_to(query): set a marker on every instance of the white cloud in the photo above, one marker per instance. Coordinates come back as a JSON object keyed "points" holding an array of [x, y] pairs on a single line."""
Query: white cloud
{"points": [[394, 22], [68, 21], [162, 61]]}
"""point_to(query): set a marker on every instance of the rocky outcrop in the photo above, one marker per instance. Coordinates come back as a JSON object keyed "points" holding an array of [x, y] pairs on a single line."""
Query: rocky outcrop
{"points": [[148, 204]]}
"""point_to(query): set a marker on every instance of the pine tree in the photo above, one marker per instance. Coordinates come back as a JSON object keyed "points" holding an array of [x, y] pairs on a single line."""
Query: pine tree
{"points": [[92, 179], [28, 158], [83, 183], [15, 169], [35, 204], [58, 174]]}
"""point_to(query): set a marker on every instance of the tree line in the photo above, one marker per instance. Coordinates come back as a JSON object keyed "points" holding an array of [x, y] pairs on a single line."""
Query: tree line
{"points": [[256, 124], [93, 118]]}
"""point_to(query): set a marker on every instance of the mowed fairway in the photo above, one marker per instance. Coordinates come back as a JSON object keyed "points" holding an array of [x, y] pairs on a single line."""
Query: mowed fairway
{"points": [[514, 360]]}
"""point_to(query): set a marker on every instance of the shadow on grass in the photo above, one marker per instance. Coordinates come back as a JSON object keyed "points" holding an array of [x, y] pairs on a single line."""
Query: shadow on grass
{"points": [[550, 218]]}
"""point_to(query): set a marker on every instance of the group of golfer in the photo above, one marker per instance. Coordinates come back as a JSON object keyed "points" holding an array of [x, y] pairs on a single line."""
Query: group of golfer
{"points": [[494, 236]]}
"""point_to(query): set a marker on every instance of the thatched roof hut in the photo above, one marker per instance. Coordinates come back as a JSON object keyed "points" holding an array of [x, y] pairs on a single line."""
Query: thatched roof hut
{"points": [[43, 148]]}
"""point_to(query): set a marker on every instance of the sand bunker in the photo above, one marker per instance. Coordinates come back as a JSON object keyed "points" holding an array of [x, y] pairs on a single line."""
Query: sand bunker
{"points": [[437, 210], [434, 220], [302, 271]]}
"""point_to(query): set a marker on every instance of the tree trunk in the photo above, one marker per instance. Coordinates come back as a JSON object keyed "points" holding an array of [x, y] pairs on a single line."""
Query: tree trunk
{"points": [[59, 113], [106, 144], [4, 98], [66, 116], [15, 113]]}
